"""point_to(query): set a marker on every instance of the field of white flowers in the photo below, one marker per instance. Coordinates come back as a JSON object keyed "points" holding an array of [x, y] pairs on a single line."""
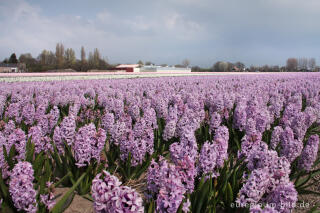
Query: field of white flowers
{"points": [[212, 143], [18, 77]]}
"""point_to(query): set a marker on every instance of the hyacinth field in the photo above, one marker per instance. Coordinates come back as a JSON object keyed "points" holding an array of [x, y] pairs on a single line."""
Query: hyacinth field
{"points": [[246, 143]]}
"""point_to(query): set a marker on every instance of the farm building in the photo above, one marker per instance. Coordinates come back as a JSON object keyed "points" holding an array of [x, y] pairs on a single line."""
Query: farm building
{"points": [[149, 68], [128, 67], [7, 68], [153, 68]]}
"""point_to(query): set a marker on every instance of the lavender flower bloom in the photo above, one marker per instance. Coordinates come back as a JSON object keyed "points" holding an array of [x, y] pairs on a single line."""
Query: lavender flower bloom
{"points": [[28, 113], [156, 172], [150, 117], [172, 113], [298, 125], [250, 126], [41, 142], [208, 159], [138, 142], [18, 139], [222, 150], [57, 139], [118, 132], [143, 132], [187, 146], [260, 156], [103, 190], [68, 129], [13, 112], [222, 132], [2, 104], [48, 200], [21, 187], [4, 167], [275, 137], [263, 120], [74, 109], [215, 121], [187, 171], [279, 168], [42, 122], [107, 122], [169, 130], [309, 153], [186, 206], [252, 108], [284, 196], [134, 112], [240, 116], [127, 200], [170, 196], [248, 142], [41, 109], [53, 117], [137, 148], [88, 144], [166, 181], [255, 187], [110, 196], [311, 115], [290, 147], [3, 141], [9, 128]]}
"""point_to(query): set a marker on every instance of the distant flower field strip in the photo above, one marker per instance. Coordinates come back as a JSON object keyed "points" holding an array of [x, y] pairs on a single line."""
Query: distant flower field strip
{"points": [[160, 144], [18, 77]]}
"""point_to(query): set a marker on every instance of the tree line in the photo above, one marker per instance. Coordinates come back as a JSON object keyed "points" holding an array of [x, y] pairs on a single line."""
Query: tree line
{"points": [[62, 58], [292, 65], [302, 64], [66, 59]]}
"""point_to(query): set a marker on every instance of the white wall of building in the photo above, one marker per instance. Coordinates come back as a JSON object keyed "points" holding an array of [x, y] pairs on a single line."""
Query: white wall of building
{"points": [[164, 69], [136, 69]]}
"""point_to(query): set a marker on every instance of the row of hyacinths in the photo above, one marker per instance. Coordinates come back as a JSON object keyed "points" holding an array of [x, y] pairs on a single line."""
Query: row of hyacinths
{"points": [[161, 144]]}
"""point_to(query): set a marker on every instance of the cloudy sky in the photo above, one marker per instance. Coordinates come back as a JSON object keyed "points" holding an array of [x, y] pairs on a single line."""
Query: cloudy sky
{"points": [[256, 32]]}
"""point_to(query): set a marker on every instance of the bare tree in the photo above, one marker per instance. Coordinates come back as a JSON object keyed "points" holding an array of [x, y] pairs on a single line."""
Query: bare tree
{"points": [[312, 64], [47, 58], [90, 60], [140, 63], [221, 66], [185, 63], [265, 68], [96, 57], [60, 55], [43, 57], [303, 64], [292, 64], [25, 58], [240, 65], [83, 55], [70, 57]]}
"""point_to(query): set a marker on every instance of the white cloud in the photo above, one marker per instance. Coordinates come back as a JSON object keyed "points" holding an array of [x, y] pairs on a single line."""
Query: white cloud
{"points": [[167, 31]]}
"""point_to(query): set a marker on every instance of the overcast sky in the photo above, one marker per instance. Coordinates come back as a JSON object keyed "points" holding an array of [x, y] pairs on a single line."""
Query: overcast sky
{"points": [[255, 32]]}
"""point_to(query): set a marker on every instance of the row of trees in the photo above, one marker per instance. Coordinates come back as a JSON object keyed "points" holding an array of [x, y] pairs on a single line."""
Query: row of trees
{"points": [[301, 64], [66, 59], [292, 65], [222, 66], [62, 59]]}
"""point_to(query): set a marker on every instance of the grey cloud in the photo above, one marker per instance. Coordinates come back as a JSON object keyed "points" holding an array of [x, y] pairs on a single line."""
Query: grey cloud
{"points": [[253, 31]]}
